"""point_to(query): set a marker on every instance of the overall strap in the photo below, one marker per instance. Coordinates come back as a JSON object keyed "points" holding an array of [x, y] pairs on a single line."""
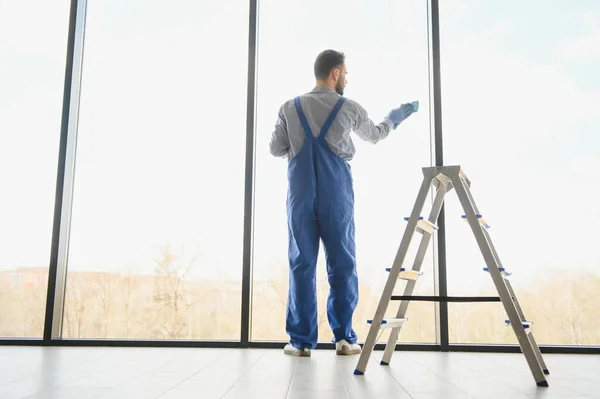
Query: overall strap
{"points": [[330, 119], [307, 131]]}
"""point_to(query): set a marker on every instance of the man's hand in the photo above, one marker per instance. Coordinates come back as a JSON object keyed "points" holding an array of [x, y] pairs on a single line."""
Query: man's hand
{"points": [[397, 115]]}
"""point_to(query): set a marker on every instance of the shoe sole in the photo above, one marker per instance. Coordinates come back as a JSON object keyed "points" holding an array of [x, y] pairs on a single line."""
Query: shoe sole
{"points": [[346, 352], [304, 353]]}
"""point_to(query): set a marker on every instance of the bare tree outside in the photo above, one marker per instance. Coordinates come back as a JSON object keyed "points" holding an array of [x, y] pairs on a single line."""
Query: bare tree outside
{"points": [[170, 294], [169, 305]]}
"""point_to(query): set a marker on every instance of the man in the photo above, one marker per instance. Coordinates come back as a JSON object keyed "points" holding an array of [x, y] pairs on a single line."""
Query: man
{"points": [[313, 132]]}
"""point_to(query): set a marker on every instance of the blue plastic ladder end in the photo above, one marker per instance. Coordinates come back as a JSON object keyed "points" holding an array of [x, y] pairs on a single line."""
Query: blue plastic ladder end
{"points": [[389, 269], [479, 216], [408, 218], [382, 321], [486, 269], [358, 372], [524, 325], [501, 269]]}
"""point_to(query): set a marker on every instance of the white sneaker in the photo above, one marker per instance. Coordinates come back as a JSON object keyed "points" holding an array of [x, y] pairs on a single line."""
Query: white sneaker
{"points": [[290, 350], [344, 348]]}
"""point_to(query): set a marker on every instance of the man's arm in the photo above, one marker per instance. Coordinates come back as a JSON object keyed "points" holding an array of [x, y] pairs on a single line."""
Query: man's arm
{"points": [[280, 141], [366, 129]]}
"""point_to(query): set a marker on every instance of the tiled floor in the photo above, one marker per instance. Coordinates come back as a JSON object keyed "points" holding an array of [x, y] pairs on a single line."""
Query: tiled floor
{"points": [[174, 373]]}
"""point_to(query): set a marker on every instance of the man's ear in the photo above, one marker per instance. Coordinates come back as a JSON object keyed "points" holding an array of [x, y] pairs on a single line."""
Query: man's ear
{"points": [[336, 74]]}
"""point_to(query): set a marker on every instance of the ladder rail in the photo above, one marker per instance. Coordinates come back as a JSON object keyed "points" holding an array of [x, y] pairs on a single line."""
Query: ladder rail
{"points": [[506, 298], [536, 349], [436, 207], [393, 275], [516, 302], [538, 353], [467, 190]]}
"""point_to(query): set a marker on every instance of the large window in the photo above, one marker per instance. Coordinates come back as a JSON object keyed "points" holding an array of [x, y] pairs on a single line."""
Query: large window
{"points": [[386, 54], [156, 239], [521, 94], [33, 42]]}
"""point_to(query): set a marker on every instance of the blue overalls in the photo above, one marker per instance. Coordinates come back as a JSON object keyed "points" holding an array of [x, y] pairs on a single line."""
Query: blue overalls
{"points": [[320, 205]]}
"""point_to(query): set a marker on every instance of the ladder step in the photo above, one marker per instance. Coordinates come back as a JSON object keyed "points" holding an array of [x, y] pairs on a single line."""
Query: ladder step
{"points": [[423, 225], [406, 275], [482, 221], [501, 269], [391, 323], [526, 324]]}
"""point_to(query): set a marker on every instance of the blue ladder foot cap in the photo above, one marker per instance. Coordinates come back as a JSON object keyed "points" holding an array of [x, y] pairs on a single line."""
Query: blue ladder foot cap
{"points": [[542, 383], [546, 371], [357, 372], [384, 363]]}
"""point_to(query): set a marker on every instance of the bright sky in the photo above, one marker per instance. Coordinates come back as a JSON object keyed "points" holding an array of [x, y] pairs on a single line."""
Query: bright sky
{"points": [[162, 129]]}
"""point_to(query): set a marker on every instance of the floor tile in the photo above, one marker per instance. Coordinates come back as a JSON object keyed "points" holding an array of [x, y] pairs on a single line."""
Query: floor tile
{"points": [[182, 373]]}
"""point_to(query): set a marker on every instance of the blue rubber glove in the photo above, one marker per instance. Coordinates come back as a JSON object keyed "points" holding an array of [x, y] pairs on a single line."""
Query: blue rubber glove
{"points": [[397, 115]]}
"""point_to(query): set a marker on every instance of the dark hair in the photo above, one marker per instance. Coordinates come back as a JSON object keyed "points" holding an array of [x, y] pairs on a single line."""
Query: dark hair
{"points": [[326, 62]]}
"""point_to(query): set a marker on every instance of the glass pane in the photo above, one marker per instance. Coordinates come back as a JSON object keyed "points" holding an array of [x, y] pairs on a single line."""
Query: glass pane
{"points": [[387, 176], [521, 94], [481, 323], [156, 242], [33, 45]]}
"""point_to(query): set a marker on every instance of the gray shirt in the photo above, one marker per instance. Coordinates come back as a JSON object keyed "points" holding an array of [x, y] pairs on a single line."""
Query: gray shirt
{"points": [[288, 137]]}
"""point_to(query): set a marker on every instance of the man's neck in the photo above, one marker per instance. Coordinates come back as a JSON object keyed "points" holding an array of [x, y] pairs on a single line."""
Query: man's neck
{"points": [[324, 83]]}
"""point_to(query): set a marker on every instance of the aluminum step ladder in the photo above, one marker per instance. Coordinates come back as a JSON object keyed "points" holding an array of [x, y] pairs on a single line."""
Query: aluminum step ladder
{"points": [[444, 179]]}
